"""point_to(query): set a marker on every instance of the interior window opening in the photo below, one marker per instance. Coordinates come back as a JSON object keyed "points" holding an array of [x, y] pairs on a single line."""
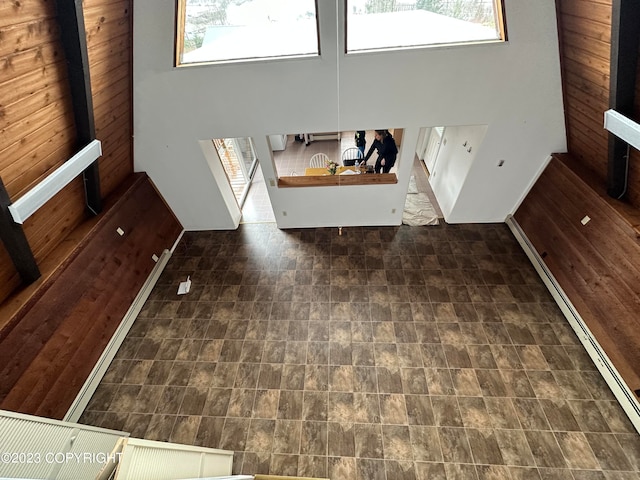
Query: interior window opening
{"points": [[338, 157]]}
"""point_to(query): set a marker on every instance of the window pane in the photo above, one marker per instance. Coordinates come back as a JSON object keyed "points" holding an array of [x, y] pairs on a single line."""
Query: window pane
{"points": [[218, 30], [380, 24]]}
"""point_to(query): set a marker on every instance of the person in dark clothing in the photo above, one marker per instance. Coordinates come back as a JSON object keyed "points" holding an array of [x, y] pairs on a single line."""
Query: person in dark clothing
{"points": [[361, 141], [387, 151]]}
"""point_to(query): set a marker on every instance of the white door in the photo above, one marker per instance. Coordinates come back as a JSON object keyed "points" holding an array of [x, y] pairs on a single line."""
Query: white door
{"points": [[433, 147]]}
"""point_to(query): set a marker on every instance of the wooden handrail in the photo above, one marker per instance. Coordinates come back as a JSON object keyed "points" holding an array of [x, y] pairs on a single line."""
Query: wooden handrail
{"points": [[337, 180]]}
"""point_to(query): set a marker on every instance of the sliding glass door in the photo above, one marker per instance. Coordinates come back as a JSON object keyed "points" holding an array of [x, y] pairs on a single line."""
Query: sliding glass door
{"points": [[239, 161]]}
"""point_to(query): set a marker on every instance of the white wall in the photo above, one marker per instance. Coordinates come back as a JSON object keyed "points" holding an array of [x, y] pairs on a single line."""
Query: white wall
{"points": [[458, 149], [513, 88]]}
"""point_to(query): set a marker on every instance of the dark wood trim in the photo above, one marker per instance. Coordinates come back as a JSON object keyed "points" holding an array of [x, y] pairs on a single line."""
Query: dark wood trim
{"points": [[178, 40], [16, 242], [625, 35], [74, 40]]}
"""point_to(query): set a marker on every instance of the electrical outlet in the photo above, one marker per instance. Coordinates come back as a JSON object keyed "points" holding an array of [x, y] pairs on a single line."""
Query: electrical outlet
{"points": [[284, 214], [120, 231], [155, 258], [272, 182], [393, 210], [585, 220]]}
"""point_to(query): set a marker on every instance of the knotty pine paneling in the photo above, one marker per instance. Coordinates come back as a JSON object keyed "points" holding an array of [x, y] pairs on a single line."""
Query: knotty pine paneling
{"points": [[26, 61], [18, 89], [36, 150], [46, 358], [101, 29], [583, 42], [597, 67], [582, 108], [14, 12], [115, 48], [582, 140], [32, 63], [115, 134], [116, 113], [109, 43], [591, 102], [600, 30], [585, 33], [66, 206], [593, 83], [23, 36], [597, 265], [598, 12], [97, 14], [116, 167], [37, 129], [53, 93], [15, 135], [110, 92], [113, 74], [584, 150]]}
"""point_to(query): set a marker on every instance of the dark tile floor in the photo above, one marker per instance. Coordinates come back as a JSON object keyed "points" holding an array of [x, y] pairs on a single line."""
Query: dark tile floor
{"points": [[395, 353]]}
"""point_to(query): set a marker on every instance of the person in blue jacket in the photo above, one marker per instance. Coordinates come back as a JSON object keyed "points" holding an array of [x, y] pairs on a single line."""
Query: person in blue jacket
{"points": [[387, 151]]}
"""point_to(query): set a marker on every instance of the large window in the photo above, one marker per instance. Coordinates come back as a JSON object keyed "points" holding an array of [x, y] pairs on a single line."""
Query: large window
{"points": [[393, 24], [232, 30]]}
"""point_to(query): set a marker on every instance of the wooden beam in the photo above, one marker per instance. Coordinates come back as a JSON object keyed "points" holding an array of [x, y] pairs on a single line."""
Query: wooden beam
{"points": [[74, 40], [625, 34], [16, 242]]}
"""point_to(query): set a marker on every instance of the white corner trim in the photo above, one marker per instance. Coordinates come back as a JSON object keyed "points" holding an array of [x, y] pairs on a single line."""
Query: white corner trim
{"points": [[620, 390], [92, 382]]}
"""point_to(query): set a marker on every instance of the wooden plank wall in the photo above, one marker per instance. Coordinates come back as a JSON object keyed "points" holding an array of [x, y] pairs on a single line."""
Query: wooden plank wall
{"points": [[110, 43], [37, 129], [585, 36], [597, 264], [585, 33], [48, 355]]}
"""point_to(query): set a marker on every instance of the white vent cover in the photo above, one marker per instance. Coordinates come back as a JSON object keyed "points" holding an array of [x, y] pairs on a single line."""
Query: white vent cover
{"points": [[151, 460], [35, 447]]}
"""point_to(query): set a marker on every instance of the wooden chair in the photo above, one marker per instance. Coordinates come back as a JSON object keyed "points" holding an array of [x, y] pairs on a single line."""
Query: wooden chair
{"points": [[318, 160], [350, 155]]}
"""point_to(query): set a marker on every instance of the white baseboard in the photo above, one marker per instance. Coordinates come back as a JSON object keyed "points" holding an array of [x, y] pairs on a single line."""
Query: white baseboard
{"points": [[92, 382], [620, 390]]}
